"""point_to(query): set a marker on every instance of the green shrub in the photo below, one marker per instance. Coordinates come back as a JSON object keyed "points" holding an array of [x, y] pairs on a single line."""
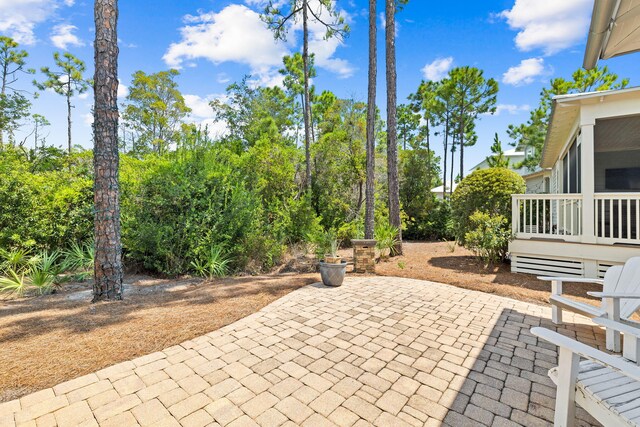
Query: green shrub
{"points": [[487, 190], [433, 224], [488, 237], [386, 237], [214, 264]]}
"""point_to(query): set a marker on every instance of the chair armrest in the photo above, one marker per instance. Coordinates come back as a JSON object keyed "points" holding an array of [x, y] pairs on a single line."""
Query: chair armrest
{"points": [[571, 279], [618, 326], [613, 362], [614, 295]]}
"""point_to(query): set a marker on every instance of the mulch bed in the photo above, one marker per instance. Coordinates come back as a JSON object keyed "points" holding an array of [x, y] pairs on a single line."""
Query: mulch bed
{"points": [[446, 263], [50, 339]]}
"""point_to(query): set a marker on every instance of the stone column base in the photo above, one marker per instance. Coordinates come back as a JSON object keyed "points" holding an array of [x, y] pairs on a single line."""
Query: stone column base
{"points": [[364, 255]]}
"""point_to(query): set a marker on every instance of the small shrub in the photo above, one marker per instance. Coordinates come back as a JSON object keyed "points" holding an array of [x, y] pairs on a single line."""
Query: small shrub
{"points": [[13, 283], [214, 264], [43, 273], [486, 190], [79, 257], [386, 239], [324, 242], [488, 238]]}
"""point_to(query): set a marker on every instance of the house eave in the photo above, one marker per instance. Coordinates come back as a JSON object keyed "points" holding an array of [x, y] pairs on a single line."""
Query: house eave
{"points": [[565, 111], [614, 30]]}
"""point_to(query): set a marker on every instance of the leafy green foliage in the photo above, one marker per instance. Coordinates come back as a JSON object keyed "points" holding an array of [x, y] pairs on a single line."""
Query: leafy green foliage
{"points": [[154, 109], [497, 158], [419, 173], [386, 236], [488, 191], [44, 209], [488, 237], [13, 283], [213, 263]]}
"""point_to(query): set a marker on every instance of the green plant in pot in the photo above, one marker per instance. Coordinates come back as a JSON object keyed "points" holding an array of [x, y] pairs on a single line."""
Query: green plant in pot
{"points": [[332, 257]]}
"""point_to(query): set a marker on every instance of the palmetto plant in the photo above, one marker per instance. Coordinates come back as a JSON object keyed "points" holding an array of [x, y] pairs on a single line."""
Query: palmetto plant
{"points": [[15, 260], [386, 239], [44, 270], [79, 258], [214, 264], [13, 283]]}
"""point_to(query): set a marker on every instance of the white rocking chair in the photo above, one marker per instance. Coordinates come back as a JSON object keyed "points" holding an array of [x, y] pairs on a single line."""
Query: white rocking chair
{"points": [[606, 386], [620, 298]]}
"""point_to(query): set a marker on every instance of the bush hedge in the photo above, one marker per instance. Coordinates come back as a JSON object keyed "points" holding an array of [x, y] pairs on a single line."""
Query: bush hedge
{"points": [[488, 191]]}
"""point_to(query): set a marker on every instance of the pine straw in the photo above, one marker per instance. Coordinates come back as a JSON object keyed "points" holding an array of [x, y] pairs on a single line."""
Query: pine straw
{"points": [[436, 262], [48, 340]]}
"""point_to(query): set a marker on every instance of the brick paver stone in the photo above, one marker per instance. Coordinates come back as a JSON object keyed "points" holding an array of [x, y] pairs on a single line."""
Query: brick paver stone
{"points": [[380, 351]]}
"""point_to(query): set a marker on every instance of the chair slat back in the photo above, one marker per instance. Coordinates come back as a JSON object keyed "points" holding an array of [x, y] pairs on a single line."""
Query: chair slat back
{"points": [[629, 283]]}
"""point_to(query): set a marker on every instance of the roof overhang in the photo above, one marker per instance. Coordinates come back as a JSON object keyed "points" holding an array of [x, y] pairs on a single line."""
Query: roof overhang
{"points": [[614, 30], [565, 112]]}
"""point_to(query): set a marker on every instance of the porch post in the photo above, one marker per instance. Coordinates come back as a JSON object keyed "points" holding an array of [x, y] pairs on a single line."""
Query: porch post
{"points": [[587, 182]]}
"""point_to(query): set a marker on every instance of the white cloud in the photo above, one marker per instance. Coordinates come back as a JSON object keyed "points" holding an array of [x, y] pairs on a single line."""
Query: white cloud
{"points": [[200, 107], [19, 18], [123, 90], [87, 119], [550, 25], [223, 78], [237, 34], [524, 73], [438, 68], [202, 114], [234, 34], [62, 36], [511, 109]]}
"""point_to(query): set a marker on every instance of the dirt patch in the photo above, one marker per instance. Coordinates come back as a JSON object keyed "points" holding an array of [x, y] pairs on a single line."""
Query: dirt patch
{"points": [[445, 263], [51, 339]]}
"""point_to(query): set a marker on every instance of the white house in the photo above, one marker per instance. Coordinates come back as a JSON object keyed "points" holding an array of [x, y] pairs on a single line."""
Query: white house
{"points": [[515, 157], [440, 191], [590, 217]]}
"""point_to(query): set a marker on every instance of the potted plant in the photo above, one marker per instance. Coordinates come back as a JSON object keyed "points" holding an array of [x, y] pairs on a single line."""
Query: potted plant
{"points": [[334, 268], [332, 257]]}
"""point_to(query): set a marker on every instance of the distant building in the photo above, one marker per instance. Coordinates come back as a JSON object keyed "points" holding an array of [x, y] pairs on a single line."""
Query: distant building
{"points": [[515, 157], [439, 191]]}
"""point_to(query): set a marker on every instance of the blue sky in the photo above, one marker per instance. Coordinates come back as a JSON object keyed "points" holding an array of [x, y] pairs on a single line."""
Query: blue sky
{"points": [[520, 43]]}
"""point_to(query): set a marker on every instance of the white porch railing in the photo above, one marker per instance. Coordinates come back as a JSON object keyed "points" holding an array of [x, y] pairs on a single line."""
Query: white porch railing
{"points": [[617, 217], [554, 216]]}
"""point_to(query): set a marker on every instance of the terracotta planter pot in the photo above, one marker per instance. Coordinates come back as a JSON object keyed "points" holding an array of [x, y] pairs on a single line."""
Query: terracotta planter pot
{"points": [[330, 259]]}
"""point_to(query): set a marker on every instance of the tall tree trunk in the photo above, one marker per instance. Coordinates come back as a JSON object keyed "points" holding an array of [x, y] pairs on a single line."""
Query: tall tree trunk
{"points": [[453, 159], [108, 271], [369, 216], [3, 93], [446, 146], [392, 137], [69, 120], [307, 104], [462, 129]]}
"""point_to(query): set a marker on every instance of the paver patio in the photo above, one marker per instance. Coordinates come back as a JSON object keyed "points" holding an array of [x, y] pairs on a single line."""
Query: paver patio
{"points": [[379, 350]]}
